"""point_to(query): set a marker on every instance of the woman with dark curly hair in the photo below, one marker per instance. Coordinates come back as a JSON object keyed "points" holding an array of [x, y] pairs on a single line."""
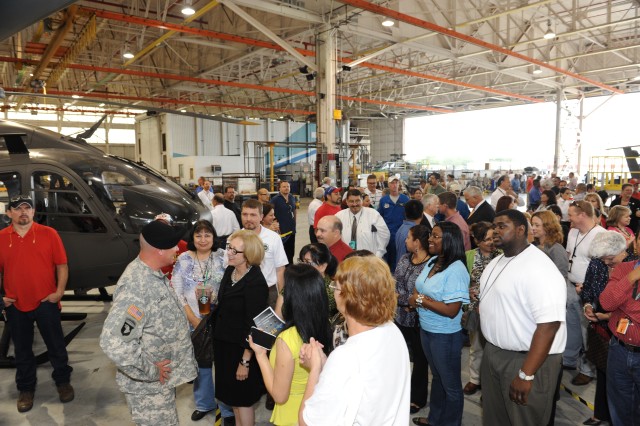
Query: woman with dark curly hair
{"points": [[477, 260], [441, 290], [409, 267]]}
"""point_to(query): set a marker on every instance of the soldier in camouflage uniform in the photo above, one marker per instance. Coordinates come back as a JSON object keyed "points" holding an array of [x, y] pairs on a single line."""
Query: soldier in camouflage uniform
{"points": [[146, 333]]}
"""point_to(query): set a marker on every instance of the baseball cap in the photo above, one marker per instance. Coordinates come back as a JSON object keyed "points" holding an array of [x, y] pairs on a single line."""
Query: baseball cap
{"points": [[633, 181], [392, 178], [330, 190], [19, 200], [160, 235]]}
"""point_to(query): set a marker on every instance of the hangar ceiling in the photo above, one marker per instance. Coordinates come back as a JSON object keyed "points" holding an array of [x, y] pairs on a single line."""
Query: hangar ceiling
{"points": [[247, 58]]}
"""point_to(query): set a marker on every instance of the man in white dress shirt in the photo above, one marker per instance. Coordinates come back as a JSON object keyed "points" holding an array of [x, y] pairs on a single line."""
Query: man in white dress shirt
{"points": [[206, 195], [223, 220], [373, 193], [371, 232], [504, 188]]}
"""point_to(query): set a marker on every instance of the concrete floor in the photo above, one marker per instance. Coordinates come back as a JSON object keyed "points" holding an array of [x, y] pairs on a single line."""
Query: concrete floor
{"points": [[98, 401]]}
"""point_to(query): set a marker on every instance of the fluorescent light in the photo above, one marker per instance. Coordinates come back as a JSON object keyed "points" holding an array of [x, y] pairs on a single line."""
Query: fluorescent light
{"points": [[388, 22], [75, 96], [537, 69], [550, 33], [187, 10], [183, 110], [127, 54], [101, 105]]}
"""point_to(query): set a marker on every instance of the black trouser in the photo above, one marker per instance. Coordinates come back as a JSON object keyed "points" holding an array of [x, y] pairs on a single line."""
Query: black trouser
{"points": [[290, 247], [47, 317], [312, 234], [420, 372]]}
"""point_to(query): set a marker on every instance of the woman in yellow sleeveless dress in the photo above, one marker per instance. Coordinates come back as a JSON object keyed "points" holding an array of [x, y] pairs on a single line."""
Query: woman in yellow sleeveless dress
{"points": [[305, 312]]}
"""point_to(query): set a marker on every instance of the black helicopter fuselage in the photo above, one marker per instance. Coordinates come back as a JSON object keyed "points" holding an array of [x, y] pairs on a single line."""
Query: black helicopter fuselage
{"points": [[96, 202]]}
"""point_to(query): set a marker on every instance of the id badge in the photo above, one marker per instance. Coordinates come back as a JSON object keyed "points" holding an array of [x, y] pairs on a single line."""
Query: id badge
{"points": [[623, 325], [352, 244]]}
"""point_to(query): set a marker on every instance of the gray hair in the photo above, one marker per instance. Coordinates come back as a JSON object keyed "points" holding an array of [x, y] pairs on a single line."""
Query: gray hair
{"points": [[609, 243], [473, 191], [318, 193], [430, 199]]}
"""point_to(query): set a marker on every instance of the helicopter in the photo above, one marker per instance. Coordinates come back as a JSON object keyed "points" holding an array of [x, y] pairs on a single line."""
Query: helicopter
{"points": [[97, 202]]}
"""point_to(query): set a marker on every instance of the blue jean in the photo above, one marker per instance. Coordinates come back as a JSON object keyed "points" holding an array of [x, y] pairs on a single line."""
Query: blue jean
{"points": [[204, 391], [574, 354], [444, 352], [623, 385], [47, 317]]}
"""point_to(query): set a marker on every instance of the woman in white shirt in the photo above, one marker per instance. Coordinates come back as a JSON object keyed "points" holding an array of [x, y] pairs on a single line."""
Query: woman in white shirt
{"points": [[367, 380]]}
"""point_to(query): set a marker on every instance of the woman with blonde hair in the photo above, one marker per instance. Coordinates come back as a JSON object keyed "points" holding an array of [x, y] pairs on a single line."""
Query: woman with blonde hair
{"points": [[243, 295], [366, 381], [618, 220], [598, 208]]}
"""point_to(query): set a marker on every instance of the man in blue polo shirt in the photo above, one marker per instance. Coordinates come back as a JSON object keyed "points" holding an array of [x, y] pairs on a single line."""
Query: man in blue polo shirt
{"points": [[284, 208], [391, 207]]}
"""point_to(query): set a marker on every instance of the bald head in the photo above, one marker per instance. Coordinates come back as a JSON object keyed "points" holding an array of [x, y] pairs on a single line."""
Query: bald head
{"points": [[329, 230]]}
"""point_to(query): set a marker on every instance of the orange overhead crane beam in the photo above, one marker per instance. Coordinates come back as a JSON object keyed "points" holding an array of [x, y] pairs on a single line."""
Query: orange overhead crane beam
{"points": [[93, 68], [384, 11], [267, 45], [107, 96]]}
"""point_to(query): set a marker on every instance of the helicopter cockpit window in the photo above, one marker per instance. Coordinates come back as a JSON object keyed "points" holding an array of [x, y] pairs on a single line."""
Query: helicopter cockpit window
{"points": [[9, 187], [59, 205]]}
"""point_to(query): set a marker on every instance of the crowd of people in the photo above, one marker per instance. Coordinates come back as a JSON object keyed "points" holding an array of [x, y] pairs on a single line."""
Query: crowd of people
{"points": [[387, 281]]}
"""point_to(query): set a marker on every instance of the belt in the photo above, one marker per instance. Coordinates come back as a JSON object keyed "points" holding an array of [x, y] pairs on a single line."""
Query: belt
{"points": [[627, 346]]}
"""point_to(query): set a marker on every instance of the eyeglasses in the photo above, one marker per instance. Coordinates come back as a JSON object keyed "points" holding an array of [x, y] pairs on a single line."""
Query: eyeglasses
{"points": [[435, 237], [231, 250], [333, 286], [307, 262]]}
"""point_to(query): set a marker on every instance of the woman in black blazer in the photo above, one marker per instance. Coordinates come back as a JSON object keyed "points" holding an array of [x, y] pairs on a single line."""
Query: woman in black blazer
{"points": [[243, 295]]}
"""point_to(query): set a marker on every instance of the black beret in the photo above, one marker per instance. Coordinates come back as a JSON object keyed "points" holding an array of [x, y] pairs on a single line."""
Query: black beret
{"points": [[160, 235]]}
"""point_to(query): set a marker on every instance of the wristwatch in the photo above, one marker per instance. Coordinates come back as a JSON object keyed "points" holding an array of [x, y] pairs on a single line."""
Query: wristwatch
{"points": [[244, 363], [524, 377], [419, 300]]}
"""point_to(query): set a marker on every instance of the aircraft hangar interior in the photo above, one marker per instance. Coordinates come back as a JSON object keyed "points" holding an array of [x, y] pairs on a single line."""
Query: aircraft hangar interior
{"points": [[245, 93]]}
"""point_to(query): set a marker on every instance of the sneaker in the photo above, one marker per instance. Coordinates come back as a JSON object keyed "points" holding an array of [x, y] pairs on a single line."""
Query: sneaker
{"points": [[25, 401], [65, 391], [581, 380]]}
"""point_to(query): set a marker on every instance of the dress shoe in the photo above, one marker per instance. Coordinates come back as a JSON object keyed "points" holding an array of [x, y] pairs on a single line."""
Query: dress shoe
{"points": [[592, 422], [65, 392], [25, 401], [229, 421], [471, 388], [414, 408], [581, 380], [420, 421], [197, 415]]}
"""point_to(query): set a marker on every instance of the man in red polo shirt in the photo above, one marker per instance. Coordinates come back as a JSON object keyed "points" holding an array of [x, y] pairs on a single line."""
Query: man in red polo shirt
{"points": [[330, 206], [329, 232], [33, 264]]}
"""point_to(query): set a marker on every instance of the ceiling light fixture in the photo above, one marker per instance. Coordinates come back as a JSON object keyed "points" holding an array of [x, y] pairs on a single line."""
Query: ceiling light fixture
{"points": [[550, 33], [75, 96], [101, 105], [126, 53], [187, 10], [388, 22], [537, 69], [636, 78]]}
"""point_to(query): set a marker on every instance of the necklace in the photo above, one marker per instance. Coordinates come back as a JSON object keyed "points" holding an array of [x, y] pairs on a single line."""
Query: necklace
{"points": [[204, 270], [235, 278], [490, 286], [421, 261]]}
